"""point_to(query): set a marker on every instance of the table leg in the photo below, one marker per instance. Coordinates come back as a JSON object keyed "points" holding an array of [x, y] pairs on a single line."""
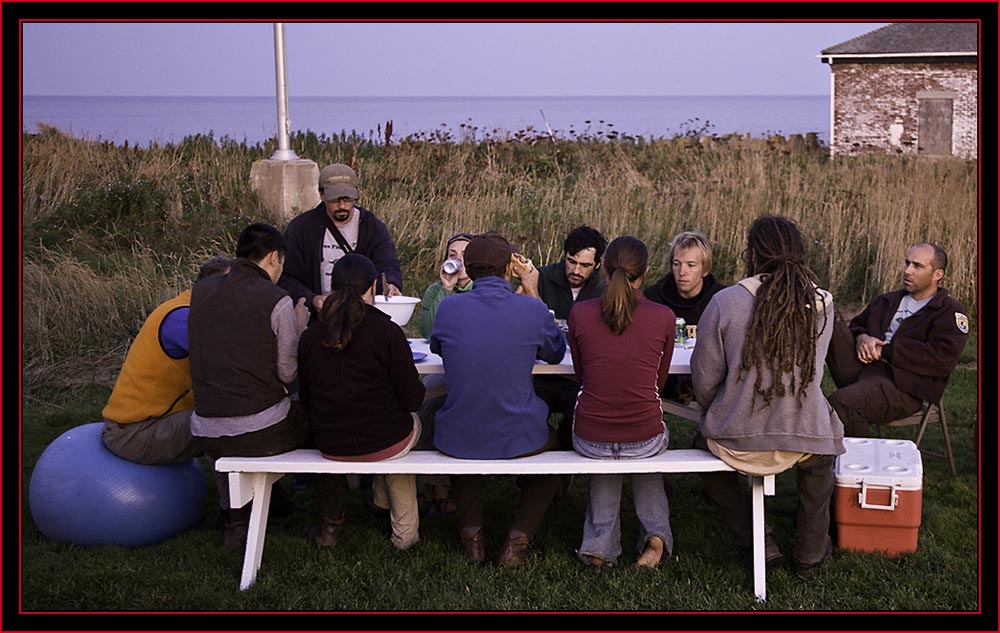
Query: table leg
{"points": [[759, 564]]}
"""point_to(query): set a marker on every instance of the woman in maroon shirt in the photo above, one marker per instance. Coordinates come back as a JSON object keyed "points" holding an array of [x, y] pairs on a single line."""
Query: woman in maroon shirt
{"points": [[622, 344], [360, 387]]}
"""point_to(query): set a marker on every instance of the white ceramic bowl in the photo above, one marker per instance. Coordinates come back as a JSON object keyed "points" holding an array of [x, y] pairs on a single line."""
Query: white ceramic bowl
{"points": [[400, 308]]}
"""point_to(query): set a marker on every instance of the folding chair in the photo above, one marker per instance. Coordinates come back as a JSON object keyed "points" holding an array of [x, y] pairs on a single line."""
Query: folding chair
{"points": [[928, 412]]}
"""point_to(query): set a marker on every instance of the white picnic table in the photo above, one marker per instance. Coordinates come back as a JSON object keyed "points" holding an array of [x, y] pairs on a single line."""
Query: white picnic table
{"points": [[680, 362]]}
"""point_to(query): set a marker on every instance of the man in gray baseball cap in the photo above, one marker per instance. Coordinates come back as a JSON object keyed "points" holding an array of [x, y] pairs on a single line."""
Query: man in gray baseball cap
{"points": [[317, 238]]}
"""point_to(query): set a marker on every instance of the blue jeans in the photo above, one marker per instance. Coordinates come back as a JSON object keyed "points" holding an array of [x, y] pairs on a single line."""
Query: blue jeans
{"points": [[602, 525]]}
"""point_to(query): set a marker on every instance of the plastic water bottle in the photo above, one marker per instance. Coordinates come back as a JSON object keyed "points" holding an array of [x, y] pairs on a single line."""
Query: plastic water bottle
{"points": [[680, 333]]}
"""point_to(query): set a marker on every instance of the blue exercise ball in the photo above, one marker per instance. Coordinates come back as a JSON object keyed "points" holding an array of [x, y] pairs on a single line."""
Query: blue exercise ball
{"points": [[80, 492]]}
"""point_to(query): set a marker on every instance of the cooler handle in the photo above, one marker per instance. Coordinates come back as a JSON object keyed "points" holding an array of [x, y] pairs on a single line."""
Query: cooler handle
{"points": [[893, 499]]}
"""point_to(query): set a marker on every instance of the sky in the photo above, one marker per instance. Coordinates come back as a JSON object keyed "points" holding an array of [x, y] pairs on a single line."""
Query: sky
{"points": [[431, 59]]}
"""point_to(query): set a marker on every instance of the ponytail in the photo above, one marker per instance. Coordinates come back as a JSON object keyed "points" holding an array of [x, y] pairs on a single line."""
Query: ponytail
{"points": [[341, 313], [625, 260]]}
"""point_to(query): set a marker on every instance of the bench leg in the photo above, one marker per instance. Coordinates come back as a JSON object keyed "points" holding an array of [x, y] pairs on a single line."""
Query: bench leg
{"points": [[759, 565], [260, 487]]}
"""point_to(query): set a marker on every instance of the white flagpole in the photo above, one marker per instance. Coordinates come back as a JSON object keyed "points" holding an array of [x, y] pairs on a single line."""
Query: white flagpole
{"points": [[283, 152]]}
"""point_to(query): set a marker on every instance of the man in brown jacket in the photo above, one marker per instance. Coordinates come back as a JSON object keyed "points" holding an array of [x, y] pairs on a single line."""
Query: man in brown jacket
{"points": [[901, 349]]}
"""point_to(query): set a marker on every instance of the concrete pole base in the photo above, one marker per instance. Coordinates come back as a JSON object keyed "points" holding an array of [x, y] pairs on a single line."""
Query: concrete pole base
{"points": [[286, 187]]}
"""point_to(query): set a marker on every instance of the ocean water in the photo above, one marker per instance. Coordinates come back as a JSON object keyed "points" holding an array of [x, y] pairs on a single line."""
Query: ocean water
{"points": [[143, 120]]}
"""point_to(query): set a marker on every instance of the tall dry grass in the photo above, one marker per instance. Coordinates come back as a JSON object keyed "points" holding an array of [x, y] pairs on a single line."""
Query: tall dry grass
{"points": [[109, 232]]}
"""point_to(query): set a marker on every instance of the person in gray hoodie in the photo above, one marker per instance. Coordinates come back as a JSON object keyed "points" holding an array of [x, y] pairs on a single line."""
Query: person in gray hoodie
{"points": [[757, 371]]}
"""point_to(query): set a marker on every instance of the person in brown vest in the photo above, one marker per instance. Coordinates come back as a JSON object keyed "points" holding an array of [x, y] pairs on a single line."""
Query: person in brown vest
{"points": [[244, 332]]}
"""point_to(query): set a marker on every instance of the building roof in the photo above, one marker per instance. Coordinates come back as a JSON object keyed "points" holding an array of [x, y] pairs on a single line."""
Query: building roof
{"points": [[912, 38]]}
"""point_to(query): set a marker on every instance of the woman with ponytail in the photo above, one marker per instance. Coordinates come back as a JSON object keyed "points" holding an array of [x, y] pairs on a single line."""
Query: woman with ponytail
{"points": [[360, 388], [622, 344], [757, 371]]}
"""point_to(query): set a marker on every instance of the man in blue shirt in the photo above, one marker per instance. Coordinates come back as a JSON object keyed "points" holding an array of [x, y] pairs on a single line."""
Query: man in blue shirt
{"points": [[489, 339]]}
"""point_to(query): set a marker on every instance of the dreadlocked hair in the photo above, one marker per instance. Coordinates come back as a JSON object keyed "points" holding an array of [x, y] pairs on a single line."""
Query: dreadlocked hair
{"points": [[625, 260], [342, 312], [782, 334]]}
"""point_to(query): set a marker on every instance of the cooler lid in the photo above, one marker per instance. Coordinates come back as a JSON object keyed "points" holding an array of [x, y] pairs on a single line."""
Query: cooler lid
{"points": [[880, 462]]}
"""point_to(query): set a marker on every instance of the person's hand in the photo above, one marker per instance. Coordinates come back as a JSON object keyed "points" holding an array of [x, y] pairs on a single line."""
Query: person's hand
{"points": [[318, 302], [529, 282], [394, 291], [869, 348], [301, 314]]}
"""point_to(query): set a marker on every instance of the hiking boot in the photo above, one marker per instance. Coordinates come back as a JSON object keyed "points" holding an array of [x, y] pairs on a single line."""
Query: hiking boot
{"points": [[328, 532], [805, 571], [473, 547], [234, 537], [773, 558], [515, 552]]}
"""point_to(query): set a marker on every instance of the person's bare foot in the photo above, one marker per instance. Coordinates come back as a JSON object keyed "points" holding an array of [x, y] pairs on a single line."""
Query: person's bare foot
{"points": [[651, 554]]}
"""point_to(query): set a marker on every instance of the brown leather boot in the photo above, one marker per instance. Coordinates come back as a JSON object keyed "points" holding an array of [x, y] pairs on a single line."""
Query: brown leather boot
{"points": [[515, 552], [328, 532], [473, 547], [234, 536]]}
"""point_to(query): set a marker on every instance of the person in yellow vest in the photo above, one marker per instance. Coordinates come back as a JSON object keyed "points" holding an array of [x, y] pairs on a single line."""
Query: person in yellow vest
{"points": [[147, 418]]}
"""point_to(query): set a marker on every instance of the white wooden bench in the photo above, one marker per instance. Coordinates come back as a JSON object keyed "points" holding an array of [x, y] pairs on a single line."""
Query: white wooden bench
{"points": [[251, 478]]}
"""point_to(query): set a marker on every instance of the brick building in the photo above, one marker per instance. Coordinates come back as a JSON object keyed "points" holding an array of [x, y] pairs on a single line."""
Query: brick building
{"points": [[907, 88]]}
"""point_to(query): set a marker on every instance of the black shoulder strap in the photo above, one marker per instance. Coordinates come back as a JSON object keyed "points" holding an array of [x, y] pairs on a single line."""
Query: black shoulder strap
{"points": [[335, 232]]}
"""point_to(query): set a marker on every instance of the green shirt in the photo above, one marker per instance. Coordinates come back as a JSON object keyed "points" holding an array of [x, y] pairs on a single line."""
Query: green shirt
{"points": [[432, 299]]}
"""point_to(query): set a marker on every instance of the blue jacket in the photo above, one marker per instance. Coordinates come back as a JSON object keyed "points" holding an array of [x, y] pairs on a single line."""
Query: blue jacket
{"points": [[489, 338]]}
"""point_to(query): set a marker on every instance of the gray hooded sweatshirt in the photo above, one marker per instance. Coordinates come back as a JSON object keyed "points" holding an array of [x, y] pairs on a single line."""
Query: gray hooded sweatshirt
{"points": [[726, 396]]}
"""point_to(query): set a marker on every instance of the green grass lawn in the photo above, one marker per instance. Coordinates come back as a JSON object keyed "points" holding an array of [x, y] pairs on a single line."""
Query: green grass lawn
{"points": [[192, 572]]}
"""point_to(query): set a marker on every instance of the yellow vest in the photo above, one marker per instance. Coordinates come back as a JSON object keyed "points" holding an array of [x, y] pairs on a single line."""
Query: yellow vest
{"points": [[151, 383]]}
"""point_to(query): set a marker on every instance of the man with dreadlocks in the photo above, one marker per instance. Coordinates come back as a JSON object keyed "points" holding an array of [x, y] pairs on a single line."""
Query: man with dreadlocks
{"points": [[757, 370]]}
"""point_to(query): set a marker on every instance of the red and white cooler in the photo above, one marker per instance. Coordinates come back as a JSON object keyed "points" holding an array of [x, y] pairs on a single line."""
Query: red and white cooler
{"points": [[878, 495]]}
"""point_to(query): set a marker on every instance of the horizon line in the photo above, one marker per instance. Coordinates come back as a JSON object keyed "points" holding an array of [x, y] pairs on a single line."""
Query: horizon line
{"points": [[611, 96]]}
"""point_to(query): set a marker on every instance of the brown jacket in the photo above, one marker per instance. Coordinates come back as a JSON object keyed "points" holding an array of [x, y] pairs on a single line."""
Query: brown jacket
{"points": [[925, 348]]}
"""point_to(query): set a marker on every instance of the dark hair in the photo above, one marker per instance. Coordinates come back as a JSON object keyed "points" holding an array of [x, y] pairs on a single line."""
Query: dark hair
{"points": [[343, 309], [627, 260], [215, 265], [259, 239], [782, 334], [585, 237], [940, 258]]}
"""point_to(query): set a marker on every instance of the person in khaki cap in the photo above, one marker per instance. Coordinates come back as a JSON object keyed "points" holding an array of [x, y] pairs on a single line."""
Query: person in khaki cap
{"points": [[317, 238]]}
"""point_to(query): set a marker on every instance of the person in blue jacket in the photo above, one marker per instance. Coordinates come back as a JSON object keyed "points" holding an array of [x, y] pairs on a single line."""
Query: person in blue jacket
{"points": [[489, 339]]}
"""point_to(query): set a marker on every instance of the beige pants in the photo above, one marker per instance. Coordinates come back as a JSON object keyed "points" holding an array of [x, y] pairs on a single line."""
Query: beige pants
{"points": [[399, 494]]}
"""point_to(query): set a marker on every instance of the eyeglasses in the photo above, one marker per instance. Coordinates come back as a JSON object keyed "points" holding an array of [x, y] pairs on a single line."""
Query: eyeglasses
{"points": [[459, 236]]}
